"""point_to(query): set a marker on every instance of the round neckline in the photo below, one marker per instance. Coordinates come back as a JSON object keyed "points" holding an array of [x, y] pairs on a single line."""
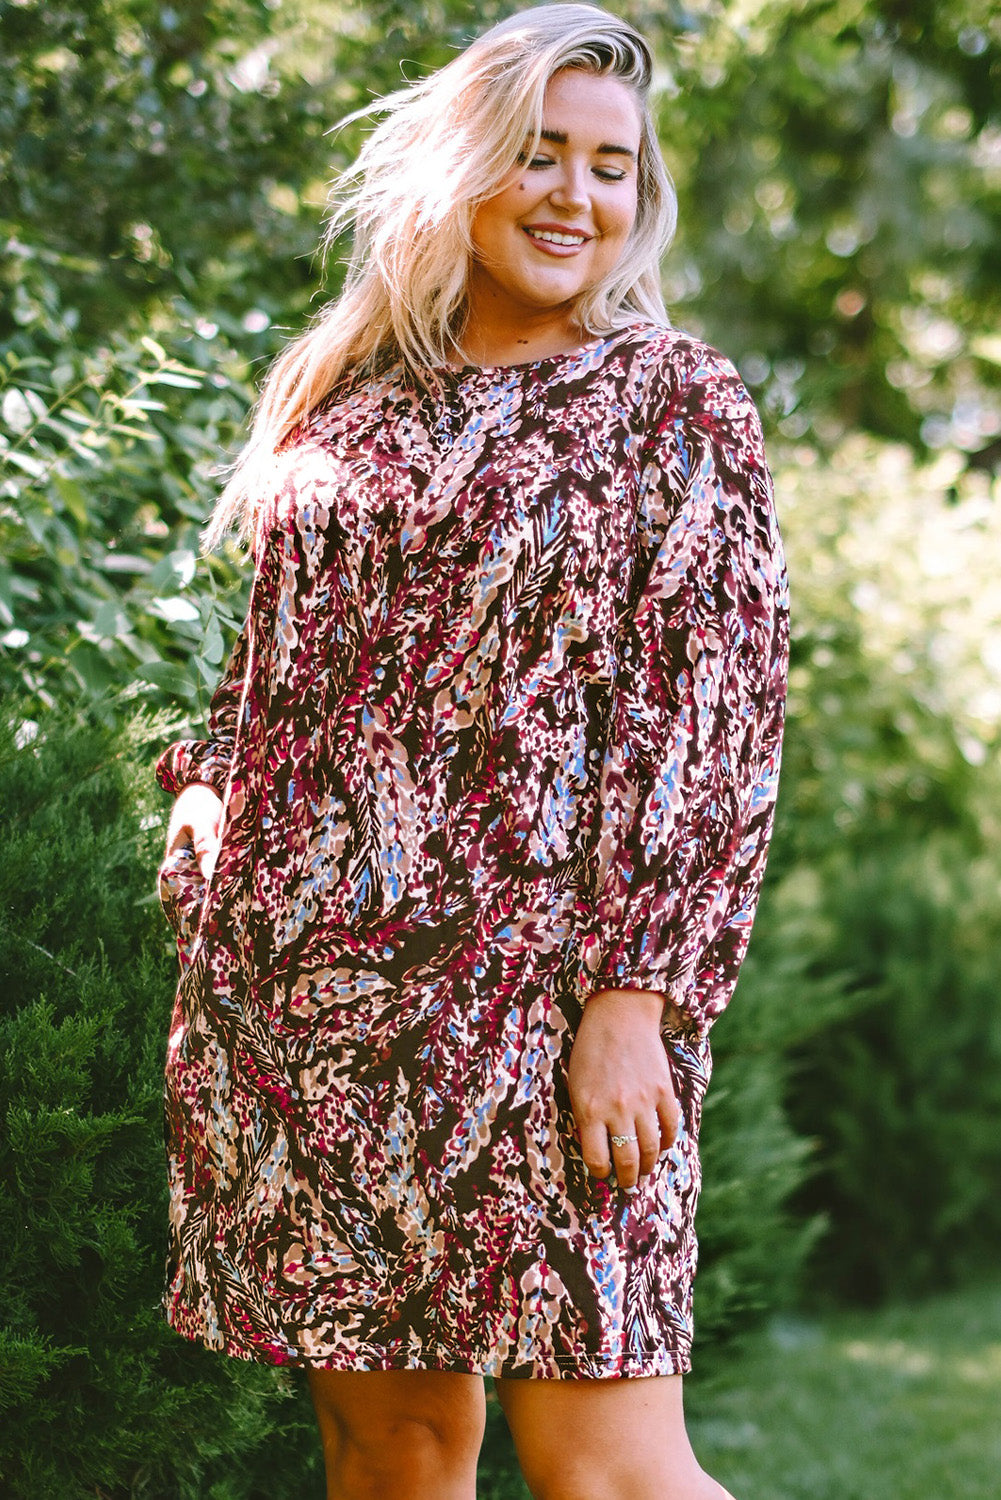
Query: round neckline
{"points": [[521, 366]]}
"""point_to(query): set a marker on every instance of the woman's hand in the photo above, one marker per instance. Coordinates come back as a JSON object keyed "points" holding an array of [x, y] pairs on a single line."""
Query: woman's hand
{"points": [[196, 819], [620, 1085]]}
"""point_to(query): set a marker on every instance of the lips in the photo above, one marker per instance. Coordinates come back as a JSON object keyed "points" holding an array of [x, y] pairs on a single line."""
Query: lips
{"points": [[556, 235]]}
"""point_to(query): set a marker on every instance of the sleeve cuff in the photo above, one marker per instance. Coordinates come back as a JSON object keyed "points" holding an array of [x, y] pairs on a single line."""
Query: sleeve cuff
{"points": [[612, 968], [189, 761]]}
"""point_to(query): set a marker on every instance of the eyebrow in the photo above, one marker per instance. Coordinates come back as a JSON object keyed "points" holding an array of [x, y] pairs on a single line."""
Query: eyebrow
{"points": [[559, 138]]}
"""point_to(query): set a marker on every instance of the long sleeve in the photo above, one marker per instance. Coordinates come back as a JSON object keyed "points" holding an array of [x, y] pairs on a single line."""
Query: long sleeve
{"points": [[691, 767], [209, 760]]}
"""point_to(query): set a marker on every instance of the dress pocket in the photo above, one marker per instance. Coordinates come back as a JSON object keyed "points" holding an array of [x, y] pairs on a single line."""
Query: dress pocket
{"points": [[181, 888]]}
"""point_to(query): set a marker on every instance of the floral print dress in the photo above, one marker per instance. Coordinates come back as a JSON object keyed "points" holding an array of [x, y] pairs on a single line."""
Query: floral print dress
{"points": [[502, 729]]}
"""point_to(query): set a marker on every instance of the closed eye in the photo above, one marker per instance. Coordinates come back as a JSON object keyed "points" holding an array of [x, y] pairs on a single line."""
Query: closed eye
{"points": [[540, 163]]}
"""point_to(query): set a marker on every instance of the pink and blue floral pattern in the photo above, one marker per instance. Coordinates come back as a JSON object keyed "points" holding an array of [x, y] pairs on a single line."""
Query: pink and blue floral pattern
{"points": [[502, 729]]}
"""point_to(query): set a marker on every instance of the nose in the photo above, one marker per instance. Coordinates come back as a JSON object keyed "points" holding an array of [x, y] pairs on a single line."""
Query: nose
{"points": [[571, 192]]}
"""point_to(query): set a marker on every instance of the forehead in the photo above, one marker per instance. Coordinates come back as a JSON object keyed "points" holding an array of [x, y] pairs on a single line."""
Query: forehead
{"points": [[584, 105]]}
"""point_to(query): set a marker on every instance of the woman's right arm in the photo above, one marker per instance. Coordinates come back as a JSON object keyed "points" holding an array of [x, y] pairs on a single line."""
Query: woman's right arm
{"points": [[207, 762], [196, 772]]}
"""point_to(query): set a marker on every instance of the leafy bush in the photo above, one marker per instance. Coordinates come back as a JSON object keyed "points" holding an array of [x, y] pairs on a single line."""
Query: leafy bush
{"points": [[163, 152], [99, 1398], [752, 1248], [904, 1101], [888, 857], [111, 459]]}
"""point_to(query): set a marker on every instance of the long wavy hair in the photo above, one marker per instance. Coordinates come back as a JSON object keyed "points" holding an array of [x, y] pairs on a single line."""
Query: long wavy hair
{"points": [[444, 145]]}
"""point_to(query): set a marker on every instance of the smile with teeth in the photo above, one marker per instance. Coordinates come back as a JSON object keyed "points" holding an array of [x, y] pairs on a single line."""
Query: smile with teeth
{"points": [[556, 237]]}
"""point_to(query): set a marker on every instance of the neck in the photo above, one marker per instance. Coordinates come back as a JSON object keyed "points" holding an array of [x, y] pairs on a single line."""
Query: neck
{"points": [[490, 340]]}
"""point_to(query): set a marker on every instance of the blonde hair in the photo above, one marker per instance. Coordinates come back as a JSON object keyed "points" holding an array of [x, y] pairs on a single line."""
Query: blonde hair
{"points": [[446, 144]]}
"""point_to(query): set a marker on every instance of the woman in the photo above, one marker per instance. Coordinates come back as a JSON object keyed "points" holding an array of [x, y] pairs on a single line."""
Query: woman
{"points": [[467, 863]]}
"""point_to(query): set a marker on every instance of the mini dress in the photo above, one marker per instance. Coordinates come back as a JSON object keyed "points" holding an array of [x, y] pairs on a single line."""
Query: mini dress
{"points": [[502, 729]]}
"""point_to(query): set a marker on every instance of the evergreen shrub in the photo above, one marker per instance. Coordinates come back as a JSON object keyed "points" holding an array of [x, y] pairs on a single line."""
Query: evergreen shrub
{"points": [[904, 1101], [99, 1398], [886, 869]]}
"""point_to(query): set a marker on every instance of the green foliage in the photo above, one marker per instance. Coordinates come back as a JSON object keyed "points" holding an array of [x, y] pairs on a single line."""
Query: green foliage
{"points": [[751, 1249], [887, 864], [110, 457], [157, 151], [98, 1397], [905, 1100], [839, 177]]}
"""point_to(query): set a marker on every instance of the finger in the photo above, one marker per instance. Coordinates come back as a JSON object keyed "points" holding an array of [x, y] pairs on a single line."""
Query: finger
{"points": [[207, 851], [671, 1123], [594, 1149], [649, 1143], [626, 1157], [178, 836]]}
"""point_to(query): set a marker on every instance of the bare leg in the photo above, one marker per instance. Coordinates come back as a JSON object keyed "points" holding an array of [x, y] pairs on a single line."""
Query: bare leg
{"points": [[605, 1440], [399, 1434]]}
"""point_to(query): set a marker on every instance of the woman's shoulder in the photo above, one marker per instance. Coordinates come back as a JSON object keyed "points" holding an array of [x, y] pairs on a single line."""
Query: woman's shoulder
{"points": [[674, 358], [679, 378], [296, 495]]}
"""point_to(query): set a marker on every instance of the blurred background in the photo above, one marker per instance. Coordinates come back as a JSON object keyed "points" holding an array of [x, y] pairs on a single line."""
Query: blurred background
{"points": [[163, 175]]}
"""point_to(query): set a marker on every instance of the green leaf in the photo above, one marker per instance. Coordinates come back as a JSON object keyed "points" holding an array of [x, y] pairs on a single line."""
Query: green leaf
{"points": [[15, 410], [167, 675], [213, 646], [131, 403], [208, 673], [175, 609], [168, 377], [73, 497], [33, 466], [177, 567], [125, 562]]}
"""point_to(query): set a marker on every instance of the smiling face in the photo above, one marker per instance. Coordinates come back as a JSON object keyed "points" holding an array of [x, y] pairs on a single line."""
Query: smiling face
{"points": [[558, 227]]}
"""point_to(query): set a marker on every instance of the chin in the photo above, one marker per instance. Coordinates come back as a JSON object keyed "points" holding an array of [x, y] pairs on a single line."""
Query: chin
{"points": [[546, 293]]}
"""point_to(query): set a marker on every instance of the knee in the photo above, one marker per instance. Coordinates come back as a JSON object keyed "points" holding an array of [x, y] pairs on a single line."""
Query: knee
{"points": [[618, 1480], [459, 1431], [548, 1479], [422, 1438], [397, 1450], [402, 1456]]}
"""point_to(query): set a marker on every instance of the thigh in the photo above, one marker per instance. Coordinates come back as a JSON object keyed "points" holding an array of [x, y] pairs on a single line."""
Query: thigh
{"points": [[613, 1439], [406, 1433]]}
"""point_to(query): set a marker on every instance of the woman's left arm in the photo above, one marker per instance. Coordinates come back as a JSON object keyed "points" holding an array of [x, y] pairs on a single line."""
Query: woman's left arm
{"points": [[691, 768]]}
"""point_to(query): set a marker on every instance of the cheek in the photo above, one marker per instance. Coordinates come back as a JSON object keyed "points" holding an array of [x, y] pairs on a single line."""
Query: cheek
{"points": [[618, 227], [497, 216], [483, 230], [626, 222], [631, 208]]}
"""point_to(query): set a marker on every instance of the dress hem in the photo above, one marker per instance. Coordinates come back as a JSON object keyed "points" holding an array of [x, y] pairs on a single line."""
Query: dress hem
{"points": [[551, 1367]]}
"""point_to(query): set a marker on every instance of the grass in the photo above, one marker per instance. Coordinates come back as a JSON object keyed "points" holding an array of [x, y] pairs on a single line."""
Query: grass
{"points": [[899, 1404]]}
